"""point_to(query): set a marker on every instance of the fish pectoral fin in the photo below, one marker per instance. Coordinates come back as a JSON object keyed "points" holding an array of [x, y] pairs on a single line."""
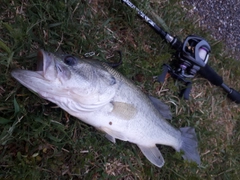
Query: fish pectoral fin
{"points": [[123, 110], [161, 107], [110, 138], [153, 155]]}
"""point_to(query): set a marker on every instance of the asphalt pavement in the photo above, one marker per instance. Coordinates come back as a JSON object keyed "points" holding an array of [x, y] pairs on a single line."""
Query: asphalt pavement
{"points": [[221, 18]]}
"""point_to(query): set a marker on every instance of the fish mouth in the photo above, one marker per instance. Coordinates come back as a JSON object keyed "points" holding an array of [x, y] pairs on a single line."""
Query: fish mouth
{"points": [[43, 77], [40, 60], [45, 67], [45, 62]]}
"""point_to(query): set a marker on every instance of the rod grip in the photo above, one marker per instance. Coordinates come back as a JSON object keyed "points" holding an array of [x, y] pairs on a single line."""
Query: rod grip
{"points": [[234, 96], [208, 73]]}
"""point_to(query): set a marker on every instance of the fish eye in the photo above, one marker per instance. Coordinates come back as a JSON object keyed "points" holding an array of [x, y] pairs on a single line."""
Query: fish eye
{"points": [[70, 60]]}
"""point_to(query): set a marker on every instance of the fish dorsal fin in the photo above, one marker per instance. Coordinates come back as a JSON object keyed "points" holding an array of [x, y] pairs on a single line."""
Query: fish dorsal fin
{"points": [[153, 155], [161, 107], [123, 110]]}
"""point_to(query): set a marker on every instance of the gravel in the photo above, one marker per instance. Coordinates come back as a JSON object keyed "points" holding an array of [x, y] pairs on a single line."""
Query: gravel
{"points": [[221, 18]]}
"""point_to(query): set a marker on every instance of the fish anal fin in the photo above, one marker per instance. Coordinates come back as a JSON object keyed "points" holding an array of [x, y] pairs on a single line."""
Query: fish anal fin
{"points": [[161, 107], [123, 110], [153, 155]]}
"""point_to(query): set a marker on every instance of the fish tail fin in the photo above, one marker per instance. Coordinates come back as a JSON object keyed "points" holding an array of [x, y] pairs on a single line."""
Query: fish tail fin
{"points": [[190, 145]]}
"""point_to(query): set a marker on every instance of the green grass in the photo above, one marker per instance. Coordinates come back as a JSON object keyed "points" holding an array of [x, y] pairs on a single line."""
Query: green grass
{"points": [[40, 141]]}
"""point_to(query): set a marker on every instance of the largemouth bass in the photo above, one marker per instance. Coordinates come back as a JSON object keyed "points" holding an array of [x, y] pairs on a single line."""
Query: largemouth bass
{"points": [[100, 96]]}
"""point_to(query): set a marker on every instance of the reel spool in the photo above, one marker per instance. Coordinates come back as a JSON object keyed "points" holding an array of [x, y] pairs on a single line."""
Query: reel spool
{"points": [[194, 55]]}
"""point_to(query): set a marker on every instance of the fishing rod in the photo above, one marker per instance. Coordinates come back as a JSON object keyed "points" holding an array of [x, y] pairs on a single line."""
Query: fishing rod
{"points": [[193, 55]]}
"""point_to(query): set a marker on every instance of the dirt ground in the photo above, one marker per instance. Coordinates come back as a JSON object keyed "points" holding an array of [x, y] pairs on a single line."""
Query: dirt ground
{"points": [[221, 18]]}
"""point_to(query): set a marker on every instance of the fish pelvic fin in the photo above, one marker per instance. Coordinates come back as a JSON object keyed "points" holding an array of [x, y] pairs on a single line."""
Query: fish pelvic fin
{"points": [[190, 145], [153, 155]]}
